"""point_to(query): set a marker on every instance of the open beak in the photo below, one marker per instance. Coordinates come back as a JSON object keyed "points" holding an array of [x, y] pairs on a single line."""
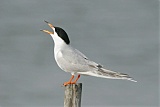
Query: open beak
{"points": [[50, 25], [46, 31]]}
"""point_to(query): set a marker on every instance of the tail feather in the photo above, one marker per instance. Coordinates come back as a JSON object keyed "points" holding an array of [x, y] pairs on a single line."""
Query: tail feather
{"points": [[104, 73], [115, 75]]}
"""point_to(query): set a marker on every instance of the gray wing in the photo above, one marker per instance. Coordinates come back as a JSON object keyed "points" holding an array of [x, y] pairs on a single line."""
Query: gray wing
{"points": [[77, 61], [74, 56], [81, 54], [81, 64]]}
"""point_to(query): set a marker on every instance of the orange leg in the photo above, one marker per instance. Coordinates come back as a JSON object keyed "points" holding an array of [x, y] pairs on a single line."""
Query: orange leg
{"points": [[74, 82], [69, 82]]}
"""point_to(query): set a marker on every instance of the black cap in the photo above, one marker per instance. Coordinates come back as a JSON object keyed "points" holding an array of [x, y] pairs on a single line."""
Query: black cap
{"points": [[62, 34]]}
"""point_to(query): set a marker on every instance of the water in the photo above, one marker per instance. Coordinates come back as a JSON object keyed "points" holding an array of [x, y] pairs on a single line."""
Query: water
{"points": [[122, 35]]}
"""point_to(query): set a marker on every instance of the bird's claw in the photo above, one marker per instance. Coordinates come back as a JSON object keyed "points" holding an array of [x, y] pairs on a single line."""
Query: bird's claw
{"points": [[67, 83]]}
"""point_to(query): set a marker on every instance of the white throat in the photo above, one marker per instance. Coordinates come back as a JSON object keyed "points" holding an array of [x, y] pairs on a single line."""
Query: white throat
{"points": [[59, 44], [57, 40]]}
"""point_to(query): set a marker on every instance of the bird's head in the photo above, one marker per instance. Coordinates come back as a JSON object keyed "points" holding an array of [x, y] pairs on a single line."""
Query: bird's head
{"points": [[58, 34]]}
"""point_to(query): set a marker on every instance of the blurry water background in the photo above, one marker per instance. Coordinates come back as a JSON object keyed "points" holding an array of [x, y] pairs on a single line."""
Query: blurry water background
{"points": [[122, 35]]}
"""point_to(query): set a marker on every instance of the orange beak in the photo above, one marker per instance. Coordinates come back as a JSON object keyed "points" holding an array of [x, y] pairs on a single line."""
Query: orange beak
{"points": [[50, 25], [46, 31]]}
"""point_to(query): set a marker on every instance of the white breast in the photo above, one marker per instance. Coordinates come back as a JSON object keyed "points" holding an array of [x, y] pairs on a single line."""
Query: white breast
{"points": [[60, 58]]}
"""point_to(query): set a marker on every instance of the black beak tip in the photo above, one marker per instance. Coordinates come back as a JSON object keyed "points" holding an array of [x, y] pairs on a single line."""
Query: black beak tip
{"points": [[46, 21]]}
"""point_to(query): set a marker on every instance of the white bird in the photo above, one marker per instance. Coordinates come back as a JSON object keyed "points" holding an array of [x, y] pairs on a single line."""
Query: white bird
{"points": [[73, 61]]}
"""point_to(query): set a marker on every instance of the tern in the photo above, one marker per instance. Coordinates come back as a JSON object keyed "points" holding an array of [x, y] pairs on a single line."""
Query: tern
{"points": [[73, 61]]}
